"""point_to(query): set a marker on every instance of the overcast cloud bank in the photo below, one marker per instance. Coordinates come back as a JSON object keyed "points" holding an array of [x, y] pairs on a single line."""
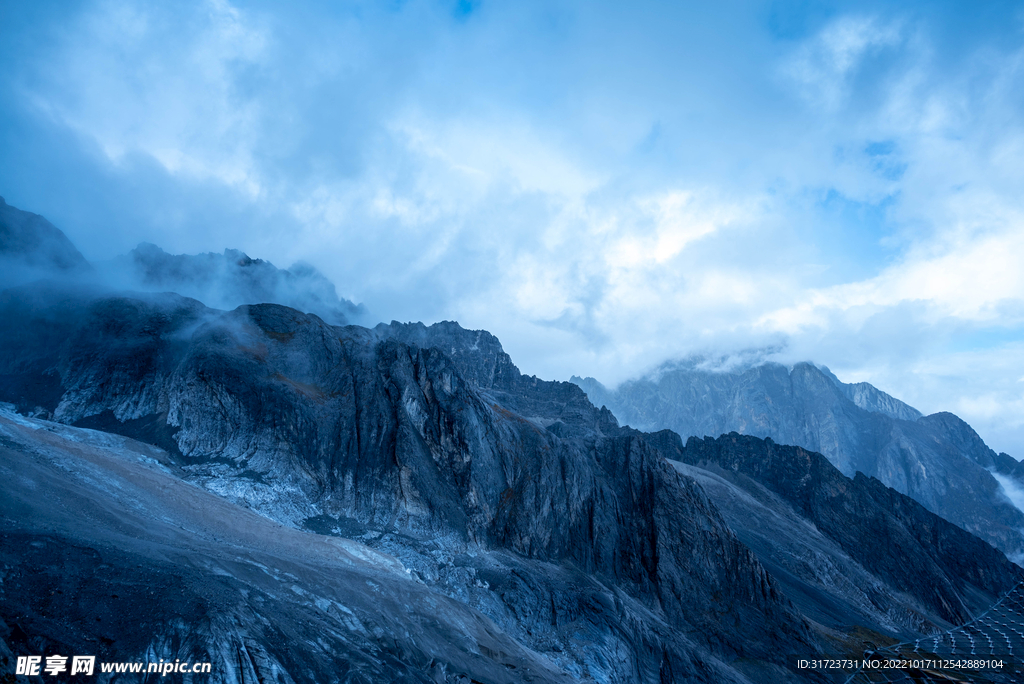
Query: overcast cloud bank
{"points": [[602, 187]]}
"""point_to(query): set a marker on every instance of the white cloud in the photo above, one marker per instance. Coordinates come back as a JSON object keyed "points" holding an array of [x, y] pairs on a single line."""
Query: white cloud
{"points": [[602, 190], [503, 150], [178, 105], [1011, 490], [822, 67], [968, 280]]}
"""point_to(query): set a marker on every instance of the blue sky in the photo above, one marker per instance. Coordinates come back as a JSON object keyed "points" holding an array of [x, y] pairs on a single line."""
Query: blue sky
{"points": [[605, 186]]}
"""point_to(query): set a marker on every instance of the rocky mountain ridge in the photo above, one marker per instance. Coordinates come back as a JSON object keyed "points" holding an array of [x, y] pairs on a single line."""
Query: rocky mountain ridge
{"points": [[930, 553], [511, 494], [937, 460], [314, 425]]}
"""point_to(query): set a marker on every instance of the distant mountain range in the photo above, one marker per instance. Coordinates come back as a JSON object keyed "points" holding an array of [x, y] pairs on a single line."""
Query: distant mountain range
{"points": [[296, 501], [937, 460]]}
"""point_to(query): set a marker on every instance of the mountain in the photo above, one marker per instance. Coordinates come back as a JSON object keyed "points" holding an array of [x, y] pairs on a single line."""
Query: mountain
{"points": [[937, 460], [32, 248], [231, 279], [583, 545], [590, 548], [298, 501]]}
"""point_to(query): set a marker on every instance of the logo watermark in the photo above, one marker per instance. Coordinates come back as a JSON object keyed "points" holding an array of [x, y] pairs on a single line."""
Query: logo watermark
{"points": [[54, 665]]}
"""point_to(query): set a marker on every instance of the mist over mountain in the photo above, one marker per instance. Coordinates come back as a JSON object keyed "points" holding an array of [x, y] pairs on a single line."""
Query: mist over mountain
{"points": [[937, 460], [32, 248], [231, 279]]}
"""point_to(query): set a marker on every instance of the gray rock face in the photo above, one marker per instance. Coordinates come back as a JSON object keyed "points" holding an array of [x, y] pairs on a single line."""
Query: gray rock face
{"points": [[937, 460], [512, 494], [231, 279], [32, 248], [874, 400]]}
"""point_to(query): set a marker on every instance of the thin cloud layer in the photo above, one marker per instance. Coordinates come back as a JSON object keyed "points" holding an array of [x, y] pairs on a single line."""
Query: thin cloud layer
{"points": [[603, 187]]}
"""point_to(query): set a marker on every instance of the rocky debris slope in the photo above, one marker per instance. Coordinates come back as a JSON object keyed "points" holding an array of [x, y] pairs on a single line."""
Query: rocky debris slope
{"points": [[512, 494], [815, 572], [106, 551], [937, 460]]}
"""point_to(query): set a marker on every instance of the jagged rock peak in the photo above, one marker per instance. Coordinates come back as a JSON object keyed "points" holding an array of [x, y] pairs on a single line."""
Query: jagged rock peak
{"points": [[314, 424], [478, 353]]}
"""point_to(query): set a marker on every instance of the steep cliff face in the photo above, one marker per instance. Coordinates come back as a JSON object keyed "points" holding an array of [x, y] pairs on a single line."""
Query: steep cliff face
{"points": [[937, 460], [358, 432]]}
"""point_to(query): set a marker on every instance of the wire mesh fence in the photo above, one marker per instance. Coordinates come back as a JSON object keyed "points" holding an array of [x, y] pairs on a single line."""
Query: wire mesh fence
{"points": [[989, 648]]}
